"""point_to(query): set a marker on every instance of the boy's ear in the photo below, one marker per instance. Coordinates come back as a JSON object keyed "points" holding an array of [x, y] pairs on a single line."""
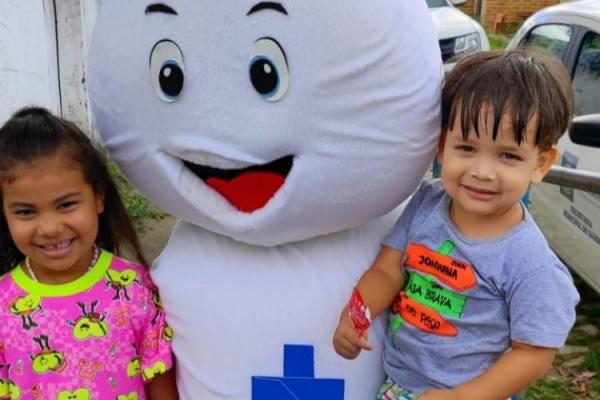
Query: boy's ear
{"points": [[544, 163]]}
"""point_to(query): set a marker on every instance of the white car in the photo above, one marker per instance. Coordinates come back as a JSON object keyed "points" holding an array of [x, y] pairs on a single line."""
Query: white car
{"points": [[457, 32], [570, 218]]}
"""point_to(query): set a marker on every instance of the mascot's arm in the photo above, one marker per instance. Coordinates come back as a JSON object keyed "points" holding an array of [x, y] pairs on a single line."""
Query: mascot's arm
{"points": [[378, 287]]}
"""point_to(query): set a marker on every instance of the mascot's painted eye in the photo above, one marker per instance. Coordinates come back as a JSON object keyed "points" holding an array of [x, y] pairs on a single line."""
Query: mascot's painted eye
{"points": [[166, 68], [269, 69]]}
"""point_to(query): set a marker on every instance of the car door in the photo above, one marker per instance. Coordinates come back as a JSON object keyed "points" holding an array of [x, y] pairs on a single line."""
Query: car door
{"points": [[570, 218]]}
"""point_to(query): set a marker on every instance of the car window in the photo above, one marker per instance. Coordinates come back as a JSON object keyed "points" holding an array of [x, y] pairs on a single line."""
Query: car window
{"points": [[586, 78], [436, 3], [552, 37]]}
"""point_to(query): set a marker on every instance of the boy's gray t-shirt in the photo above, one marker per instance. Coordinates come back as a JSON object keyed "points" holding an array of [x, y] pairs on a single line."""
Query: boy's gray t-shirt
{"points": [[466, 299]]}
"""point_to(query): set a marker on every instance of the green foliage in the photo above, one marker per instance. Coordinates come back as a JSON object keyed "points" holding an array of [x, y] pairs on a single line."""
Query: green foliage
{"points": [[592, 359], [577, 381], [498, 42], [550, 389], [578, 339], [511, 28], [593, 311], [138, 207], [595, 386]]}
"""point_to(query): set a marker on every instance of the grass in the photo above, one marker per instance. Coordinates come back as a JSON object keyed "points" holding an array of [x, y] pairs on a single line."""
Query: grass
{"points": [[498, 42], [595, 386], [500, 39], [582, 380], [592, 359], [138, 207], [549, 389]]}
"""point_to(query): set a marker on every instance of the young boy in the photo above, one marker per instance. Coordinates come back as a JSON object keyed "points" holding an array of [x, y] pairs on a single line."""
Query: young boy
{"points": [[486, 302]]}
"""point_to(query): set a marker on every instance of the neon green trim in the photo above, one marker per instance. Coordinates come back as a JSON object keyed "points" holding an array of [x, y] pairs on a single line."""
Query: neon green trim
{"points": [[79, 285]]}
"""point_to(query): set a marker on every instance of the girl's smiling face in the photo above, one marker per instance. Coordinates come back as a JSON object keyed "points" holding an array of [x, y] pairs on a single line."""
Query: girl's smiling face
{"points": [[52, 215]]}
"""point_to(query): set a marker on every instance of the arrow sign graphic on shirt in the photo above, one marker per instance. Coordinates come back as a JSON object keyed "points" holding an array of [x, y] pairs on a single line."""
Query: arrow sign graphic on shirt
{"points": [[454, 273], [423, 317]]}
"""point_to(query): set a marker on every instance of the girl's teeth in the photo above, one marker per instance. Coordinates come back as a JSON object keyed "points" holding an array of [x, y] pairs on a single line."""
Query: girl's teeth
{"points": [[59, 246]]}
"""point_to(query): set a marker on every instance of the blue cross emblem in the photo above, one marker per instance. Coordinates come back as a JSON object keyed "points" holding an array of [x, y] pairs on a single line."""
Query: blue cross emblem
{"points": [[298, 381]]}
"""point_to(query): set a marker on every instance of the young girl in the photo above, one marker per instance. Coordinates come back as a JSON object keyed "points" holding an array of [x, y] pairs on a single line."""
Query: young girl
{"points": [[76, 321], [480, 303]]}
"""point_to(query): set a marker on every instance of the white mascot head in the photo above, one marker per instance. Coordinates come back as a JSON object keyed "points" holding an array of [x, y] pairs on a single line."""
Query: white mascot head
{"points": [[268, 123]]}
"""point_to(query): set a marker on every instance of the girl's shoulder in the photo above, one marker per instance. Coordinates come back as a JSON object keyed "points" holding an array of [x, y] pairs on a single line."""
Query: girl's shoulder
{"points": [[124, 270], [121, 264]]}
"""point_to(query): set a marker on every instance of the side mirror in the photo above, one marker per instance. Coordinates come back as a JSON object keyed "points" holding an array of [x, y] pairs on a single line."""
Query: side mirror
{"points": [[457, 2], [585, 130]]}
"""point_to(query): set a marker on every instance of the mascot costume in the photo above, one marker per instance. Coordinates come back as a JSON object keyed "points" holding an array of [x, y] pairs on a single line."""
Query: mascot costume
{"points": [[282, 135]]}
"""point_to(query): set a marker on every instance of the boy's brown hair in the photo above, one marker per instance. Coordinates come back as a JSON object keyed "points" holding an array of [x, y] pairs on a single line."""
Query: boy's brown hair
{"points": [[525, 82]]}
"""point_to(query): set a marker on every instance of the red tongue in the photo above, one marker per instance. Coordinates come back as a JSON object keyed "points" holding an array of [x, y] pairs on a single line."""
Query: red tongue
{"points": [[249, 191]]}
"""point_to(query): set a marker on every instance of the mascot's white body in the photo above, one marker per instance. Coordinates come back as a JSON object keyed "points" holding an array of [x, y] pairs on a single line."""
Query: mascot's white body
{"points": [[281, 135]]}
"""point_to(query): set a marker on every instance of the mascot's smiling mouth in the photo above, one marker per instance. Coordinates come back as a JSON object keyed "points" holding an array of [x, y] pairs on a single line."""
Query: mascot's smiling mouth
{"points": [[250, 188]]}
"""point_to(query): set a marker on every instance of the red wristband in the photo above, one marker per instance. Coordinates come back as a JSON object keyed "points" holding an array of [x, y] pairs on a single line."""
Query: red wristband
{"points": [[359, 313]]}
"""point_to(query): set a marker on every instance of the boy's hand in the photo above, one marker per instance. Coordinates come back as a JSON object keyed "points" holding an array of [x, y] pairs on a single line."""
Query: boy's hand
{"points": [[346, 341]]}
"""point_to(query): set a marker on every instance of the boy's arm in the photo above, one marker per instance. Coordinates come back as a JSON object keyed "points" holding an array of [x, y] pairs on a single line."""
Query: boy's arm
{"points": [[378, 286], [381, 283], [512, 373], [162, 387]]}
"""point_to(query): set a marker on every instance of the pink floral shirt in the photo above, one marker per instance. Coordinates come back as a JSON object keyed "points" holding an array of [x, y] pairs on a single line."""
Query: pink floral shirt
{"points": [[99, 337]]}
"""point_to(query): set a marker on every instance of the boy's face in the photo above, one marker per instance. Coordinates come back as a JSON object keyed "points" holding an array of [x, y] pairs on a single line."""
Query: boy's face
{"points": [[486, 178]]}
